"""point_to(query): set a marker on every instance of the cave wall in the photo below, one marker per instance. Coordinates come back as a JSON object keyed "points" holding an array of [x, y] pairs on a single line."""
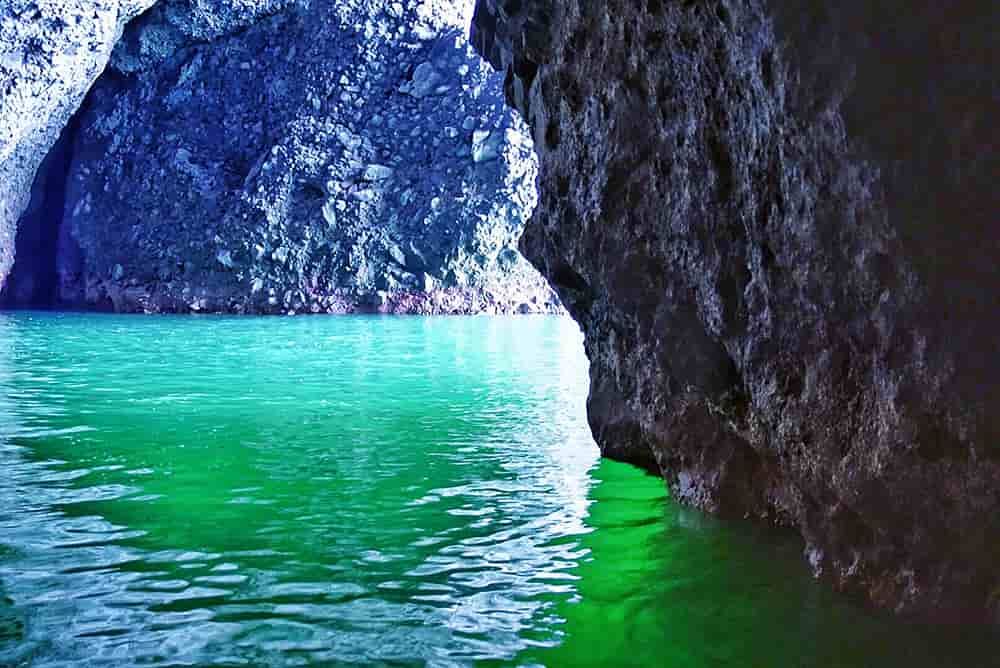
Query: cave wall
{"points": [[321, 157], [776, 223], [50, 53], [264, 156]]}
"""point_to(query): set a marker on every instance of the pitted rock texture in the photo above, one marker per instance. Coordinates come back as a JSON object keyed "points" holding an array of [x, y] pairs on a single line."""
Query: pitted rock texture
{"points": [[776, 222], [172, 25], [300, 157], [50, 53]]}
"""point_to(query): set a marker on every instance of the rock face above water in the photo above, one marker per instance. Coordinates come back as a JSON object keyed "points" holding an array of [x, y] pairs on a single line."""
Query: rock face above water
{"points": [[274, 156], [50, 53], [777, 224]]}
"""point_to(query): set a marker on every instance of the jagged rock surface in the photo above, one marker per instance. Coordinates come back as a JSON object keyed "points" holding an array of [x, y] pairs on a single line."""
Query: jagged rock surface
{"points": [[776, 222], [306, 157], [50, 53]]}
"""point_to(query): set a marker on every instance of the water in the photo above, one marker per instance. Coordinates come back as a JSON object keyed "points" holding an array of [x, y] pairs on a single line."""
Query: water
{"points": [[329, 491]]}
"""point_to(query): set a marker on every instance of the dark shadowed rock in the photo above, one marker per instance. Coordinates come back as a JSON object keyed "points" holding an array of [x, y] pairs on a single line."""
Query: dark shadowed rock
{"points": [[777, 224]]}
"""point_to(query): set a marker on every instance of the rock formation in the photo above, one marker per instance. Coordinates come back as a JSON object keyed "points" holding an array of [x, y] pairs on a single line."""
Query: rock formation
{"points": [[50, 53], [776, 222], [281, 156]]}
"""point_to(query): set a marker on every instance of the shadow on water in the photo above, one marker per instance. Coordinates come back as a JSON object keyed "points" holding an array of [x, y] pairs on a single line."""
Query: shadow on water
{"points": [[11, 628], [669, 586]]}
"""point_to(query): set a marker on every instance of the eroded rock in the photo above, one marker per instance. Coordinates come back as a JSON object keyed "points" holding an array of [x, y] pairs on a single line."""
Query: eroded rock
{"points": [[281, 155], [777, 224], [50, 53]]}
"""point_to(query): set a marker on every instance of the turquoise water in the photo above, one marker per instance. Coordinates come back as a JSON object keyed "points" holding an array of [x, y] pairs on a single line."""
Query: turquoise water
{"points": [[365, 490]]}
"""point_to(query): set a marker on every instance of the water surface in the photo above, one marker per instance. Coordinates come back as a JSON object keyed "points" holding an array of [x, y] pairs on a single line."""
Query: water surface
{"points": [[406, 491]]}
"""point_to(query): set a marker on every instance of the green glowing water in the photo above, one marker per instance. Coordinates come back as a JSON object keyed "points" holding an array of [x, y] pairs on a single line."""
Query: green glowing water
{"points": [[328, 491]]}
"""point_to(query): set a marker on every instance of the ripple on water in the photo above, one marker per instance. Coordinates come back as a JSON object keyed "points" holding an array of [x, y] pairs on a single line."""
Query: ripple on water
{"points": [[219, 491], [353, 497]]}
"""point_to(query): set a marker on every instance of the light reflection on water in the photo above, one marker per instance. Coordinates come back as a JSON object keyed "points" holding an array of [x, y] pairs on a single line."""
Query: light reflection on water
{"points": [[226, 490], [317, 491]]}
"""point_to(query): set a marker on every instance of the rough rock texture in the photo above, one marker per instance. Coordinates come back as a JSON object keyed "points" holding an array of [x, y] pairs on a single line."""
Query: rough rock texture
{"points": [[290, 156], [776, 222], [173, 25], [50, 53]]}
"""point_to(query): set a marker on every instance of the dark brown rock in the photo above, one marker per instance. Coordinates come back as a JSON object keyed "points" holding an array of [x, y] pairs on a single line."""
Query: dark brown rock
{"points": [[777, 223]]}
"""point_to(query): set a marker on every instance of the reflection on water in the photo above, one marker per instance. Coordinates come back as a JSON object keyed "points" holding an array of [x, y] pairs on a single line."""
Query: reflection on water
{"points": [[224, 491], [662, 585]]}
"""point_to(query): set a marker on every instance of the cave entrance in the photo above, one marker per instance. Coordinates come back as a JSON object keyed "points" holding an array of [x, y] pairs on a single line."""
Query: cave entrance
{"points": [[34, 280]]}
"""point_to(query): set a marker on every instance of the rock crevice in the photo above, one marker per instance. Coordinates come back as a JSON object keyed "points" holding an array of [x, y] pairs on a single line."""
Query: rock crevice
{"points": [[51, 51], [34, 281]]}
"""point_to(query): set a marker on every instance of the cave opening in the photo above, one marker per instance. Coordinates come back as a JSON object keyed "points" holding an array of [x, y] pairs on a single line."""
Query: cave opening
{"points": [[34, 280]]}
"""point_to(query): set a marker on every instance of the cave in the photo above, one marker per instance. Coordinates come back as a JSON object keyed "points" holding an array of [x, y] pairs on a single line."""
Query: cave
{"points": [[760, 407], [34, 279]]}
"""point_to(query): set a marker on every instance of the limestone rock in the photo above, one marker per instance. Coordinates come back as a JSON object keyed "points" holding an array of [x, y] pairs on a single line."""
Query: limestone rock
{"points": [[267, 156], [425, 81]]}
